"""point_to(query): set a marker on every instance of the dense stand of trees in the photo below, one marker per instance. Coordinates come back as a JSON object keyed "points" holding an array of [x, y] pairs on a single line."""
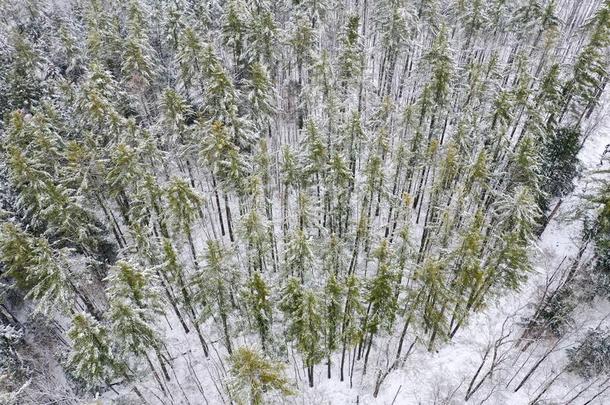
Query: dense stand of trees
{"points": [[303, 182]]}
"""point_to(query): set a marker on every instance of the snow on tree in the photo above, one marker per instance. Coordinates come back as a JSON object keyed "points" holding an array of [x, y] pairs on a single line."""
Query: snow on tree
{"points": [[256, 378], [92, 358], [338, 183]]}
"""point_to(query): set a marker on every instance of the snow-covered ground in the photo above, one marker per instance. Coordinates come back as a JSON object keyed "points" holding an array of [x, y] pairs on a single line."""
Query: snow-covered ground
{"points": [[443, 377]]}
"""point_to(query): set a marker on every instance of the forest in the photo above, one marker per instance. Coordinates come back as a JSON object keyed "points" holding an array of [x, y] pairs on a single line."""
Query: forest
{"points": [[304, 202]]}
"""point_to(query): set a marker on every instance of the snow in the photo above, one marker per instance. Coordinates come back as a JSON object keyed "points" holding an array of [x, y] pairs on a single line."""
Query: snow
{"points": [[525, 370], [443, 376]]}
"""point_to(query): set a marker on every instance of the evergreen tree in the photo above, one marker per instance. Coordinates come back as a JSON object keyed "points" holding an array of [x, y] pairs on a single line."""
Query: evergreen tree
{"points": [[299, 255], [560, 162], [351, 53], [214, 282], [92, 359], [333, 313], [184, 207], [381, 297], [582, 91], [255, 378], [302, 310], [24, 77], [256, 231], [258, 297], [351, 333], [599, 229], [129, 282], [309, 332], [592, 357], [395, 161], [132, 329], [37, 268]]}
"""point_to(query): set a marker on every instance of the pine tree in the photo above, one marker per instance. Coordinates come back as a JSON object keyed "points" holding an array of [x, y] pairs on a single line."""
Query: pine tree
{"points": [[395, 161], [263, 35], [174, 272], [37, 268], [525, 168], [96, 103], [137, 63], [518, 212], [135, 301], [299, 255], [234, 29], [582, 91], [258, 298], [213, 283], [184, 207], [351, 332], [600, 233], [44, 201], [256, 231], [592, 357], [560, 163], [17, 250], [351, 53], [435, 296], [469, 271], [381, 297], [133, 331], [333, 313], [24, 78], [260, 97], [305, 323], [190, 54], [176, 111], [127, 281], [309, 335], [255, 378], [92, 359]]}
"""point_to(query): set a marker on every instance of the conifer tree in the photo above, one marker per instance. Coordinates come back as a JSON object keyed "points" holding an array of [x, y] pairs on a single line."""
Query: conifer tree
{"points": [[23, 78], [302, 310], [309, 333], [92, 358], [263, 34], [255, 378], [351, 53], [395, 161], [260, 97], [129, 282], [469, 271], [351, 332], [381, 299], [332, 297], [133, 331], [560, 162], [214, 283], [234, 31], [599, 229], [175, 274], [299, 255], [184, 207], [37, 268], [138, 65], [582, 91], [256, 231], [258, 298]]}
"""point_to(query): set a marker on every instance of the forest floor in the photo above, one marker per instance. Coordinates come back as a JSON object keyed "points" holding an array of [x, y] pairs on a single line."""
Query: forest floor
{"points": [[442, 377]]}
